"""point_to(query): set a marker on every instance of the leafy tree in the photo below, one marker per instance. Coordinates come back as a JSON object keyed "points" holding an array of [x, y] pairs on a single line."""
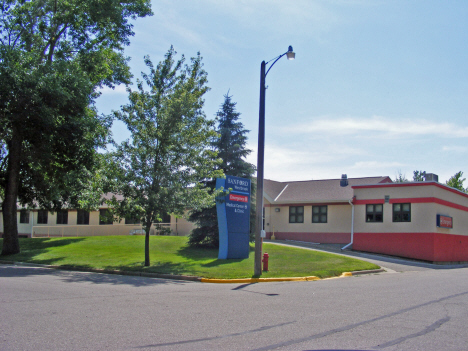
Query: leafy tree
{"points": [[400, 178], [54, 54], [456, 182], [419, 176], [231, 148], [161, 168]]}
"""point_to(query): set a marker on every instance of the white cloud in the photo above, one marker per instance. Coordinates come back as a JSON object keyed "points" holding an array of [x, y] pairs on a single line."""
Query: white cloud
{"points": [[454, 148], [299, 163], [375, 165], [377, 124], [272, 14]]}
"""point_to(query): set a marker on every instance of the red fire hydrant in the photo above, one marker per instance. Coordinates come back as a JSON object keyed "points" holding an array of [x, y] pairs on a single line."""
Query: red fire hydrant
{"points": [[265, 261]]}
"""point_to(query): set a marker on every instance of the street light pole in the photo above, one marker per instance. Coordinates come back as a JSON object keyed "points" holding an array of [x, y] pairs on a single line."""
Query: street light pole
{"points": [[260, 161]]}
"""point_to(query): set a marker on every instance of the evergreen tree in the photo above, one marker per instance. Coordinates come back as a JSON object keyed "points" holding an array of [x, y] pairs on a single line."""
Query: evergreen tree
{"points": [[231, 148]]}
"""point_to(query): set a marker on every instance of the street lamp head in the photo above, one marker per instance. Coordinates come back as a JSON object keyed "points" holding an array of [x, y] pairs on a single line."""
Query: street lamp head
{"points": [[291, 55]]}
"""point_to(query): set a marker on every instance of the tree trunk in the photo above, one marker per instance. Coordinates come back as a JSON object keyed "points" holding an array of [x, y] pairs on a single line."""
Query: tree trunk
{"points": [[147, 237], [9, 210]]}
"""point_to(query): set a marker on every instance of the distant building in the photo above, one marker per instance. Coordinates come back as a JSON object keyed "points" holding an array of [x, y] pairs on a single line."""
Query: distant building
{"points": [[72, 222], [420, 220]]}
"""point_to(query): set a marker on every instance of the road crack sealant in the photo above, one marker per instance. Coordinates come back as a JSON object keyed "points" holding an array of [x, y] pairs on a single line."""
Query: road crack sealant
{"points": [[427, 330], [430, 328]]}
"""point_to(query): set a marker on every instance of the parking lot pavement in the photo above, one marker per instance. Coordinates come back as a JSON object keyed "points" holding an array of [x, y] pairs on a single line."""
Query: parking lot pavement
{"points": [[389, 263]]}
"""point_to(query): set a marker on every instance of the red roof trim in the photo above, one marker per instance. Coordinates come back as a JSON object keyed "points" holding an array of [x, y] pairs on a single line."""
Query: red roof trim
{"points": [[307, 204], [415, 200], [369, 202]]}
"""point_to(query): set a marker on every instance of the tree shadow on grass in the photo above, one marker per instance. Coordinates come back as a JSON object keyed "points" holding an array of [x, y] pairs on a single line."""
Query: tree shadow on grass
{"points": [[205, 253], [201, 252], [198, 253], [31, 248], [218, 262]]}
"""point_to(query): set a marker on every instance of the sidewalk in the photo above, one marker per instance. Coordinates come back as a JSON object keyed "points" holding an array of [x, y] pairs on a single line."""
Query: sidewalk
{"points": [[389, 263]]}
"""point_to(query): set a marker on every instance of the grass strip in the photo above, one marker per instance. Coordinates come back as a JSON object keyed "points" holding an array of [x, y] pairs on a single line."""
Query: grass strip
{"points": [[172, 255]]}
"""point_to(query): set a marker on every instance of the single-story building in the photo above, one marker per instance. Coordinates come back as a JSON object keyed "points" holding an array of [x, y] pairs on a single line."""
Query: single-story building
{"points": [[72, 222], [420, 220]]}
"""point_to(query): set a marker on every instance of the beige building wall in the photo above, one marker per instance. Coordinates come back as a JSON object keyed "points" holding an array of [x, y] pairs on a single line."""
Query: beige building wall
{"points": [[395, 192], [423, 214], [181, 226], [423, 220], [338, 220]]}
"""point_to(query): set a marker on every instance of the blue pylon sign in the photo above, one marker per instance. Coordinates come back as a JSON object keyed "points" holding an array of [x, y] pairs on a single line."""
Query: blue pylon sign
{"points": [[233, 212]]}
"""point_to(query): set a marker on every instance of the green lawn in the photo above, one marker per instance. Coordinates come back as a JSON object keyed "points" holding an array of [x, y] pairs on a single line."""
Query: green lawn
{"points": [[171, 255]]}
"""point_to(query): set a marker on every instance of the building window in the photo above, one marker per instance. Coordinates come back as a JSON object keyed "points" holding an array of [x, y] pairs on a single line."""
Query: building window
{"points": [[105, 218], [132, 220], [42, 216], [24, 216], [62, 217], [402, 212], [374, 213], [166, 217], [82, 217], [296, 214], [319, 214]]}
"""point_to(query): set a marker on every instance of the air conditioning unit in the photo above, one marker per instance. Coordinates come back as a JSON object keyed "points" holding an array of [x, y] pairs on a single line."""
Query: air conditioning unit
{"points": [[431, 177], [344, 180]]}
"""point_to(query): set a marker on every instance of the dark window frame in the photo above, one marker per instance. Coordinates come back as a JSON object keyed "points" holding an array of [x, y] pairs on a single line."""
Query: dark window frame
{"points": [[132, 220], [103, 220], [82, 217], [293, 213], [401, 215], [372, 214], [62, 217], [320, 214], [166, 218], [42, 216], [24, 217]]}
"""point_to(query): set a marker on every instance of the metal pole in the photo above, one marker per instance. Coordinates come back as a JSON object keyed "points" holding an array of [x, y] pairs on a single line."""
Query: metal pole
{"points": [[260, 162]]}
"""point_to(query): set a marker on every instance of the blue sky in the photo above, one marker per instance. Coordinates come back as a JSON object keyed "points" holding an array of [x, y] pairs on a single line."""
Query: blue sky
{"points": [[377, 87]]}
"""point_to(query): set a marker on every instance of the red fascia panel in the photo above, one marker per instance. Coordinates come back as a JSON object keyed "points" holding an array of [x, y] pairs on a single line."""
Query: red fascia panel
{"points": [[307, 204], [413, 200], [368, 202], [425, 200]]}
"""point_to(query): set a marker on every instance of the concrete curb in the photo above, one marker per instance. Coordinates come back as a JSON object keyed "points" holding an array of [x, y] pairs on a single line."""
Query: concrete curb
{"points": [[269, 280], [107, 271], [192, 278], [258, 280], [370, 271]]}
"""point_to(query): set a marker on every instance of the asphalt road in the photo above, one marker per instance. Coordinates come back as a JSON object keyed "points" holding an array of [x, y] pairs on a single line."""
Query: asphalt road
{"points": [[412, 308]]}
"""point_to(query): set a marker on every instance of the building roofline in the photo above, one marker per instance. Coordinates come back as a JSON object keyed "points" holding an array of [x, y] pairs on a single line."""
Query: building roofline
{"points": [[311, 202], [325, 180], [407, 184]]}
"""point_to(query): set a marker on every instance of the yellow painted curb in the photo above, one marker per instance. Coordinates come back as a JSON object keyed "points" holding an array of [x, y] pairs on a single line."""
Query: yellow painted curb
{"points": [[259, 280], [266, 280]]}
